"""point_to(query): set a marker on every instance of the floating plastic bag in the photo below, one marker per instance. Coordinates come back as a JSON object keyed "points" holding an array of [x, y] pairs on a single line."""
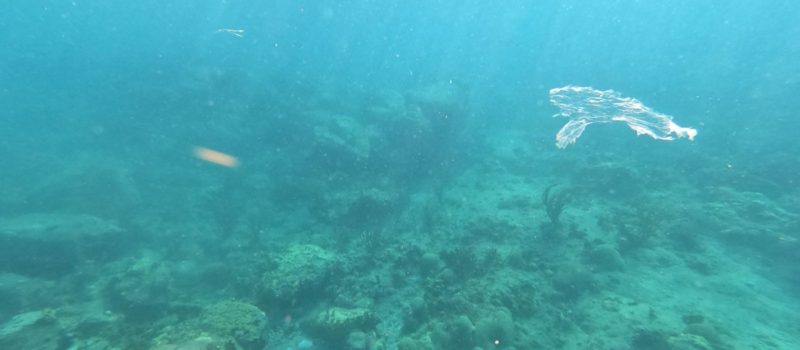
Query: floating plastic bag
{"points": [[585, 106]]}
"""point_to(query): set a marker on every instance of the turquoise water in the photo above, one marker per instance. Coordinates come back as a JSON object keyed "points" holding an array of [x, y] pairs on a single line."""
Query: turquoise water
{"points": [[385, 175]]}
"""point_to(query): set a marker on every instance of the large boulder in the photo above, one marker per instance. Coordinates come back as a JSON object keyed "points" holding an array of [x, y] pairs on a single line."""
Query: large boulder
{"points": [[51, 245], [92, 184], [20, 293], [33, 330], [341, 139]]}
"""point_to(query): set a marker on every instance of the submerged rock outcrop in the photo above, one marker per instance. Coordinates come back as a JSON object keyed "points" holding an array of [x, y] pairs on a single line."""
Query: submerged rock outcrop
{"points": [[51, 245]]}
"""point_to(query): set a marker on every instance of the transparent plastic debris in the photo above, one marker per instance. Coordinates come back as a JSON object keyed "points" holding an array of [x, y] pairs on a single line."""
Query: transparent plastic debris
{"points": [[584, 106]]}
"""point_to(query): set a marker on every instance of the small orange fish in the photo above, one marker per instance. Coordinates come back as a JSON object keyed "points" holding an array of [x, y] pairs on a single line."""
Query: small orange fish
{"points": [[216, 157]]}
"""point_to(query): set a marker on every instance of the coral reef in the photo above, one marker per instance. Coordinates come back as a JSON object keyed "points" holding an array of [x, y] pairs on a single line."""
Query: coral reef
{"points": [[243, 323], [299, 272], [226, 324], [337, 325], [382, 218], [495, 328], [365, 208], [605, 257]]}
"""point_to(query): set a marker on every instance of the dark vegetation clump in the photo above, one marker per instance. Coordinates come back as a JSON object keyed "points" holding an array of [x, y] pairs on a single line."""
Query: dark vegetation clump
{"points": [[463, 261], [554, 202], [649, 340]]}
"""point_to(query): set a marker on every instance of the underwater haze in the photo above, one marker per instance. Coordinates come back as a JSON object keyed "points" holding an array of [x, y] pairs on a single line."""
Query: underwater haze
{"points": [[399, 175]]}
